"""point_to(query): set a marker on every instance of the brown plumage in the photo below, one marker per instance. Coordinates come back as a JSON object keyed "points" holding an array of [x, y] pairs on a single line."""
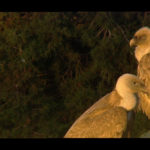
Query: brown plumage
{"points": [[94, 122], [141, 40], [108, 117]]}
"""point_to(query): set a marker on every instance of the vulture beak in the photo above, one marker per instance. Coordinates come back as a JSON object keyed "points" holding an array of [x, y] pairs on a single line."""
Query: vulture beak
{"points": [[145, 91], [143, 88], [132, 43]]}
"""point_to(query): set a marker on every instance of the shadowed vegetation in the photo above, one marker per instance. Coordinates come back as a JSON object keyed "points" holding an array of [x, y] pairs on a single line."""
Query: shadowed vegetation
{"points": [[55, 65]]}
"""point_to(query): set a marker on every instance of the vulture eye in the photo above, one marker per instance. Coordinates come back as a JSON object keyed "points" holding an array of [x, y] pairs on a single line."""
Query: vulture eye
{"points": [[135, 83], [135, 37]]}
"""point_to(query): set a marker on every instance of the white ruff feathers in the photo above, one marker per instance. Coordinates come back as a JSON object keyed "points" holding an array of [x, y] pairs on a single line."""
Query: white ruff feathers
{"points": [[140, 52], [128, 100]]}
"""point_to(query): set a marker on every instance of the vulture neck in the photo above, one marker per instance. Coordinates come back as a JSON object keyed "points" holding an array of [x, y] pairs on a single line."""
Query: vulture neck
{"points": [[128, 101], [140, 52]]}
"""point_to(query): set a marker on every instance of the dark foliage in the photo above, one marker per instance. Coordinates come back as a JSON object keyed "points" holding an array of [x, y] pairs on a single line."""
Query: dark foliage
{"points": [[54, 65]]}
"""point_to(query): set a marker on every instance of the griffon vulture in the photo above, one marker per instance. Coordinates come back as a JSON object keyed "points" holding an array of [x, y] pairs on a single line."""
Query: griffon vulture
{"points": [[141, 41], [109, 116]]}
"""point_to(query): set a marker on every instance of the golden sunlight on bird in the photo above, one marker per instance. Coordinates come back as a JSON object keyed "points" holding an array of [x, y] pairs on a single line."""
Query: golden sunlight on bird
{"points": [[141, 41], [109, 116]]}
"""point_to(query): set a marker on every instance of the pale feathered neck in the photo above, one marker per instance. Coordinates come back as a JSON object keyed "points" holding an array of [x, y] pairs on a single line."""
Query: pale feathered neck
{"points": [[140, 52], [128, 100]]}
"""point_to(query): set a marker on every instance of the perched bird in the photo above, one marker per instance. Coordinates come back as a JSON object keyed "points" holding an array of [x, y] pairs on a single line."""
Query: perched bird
{"points": [[141, 41], [109, 116]]}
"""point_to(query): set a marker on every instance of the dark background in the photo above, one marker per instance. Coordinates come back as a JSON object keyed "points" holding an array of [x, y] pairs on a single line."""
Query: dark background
{"points": [[55, 65]]}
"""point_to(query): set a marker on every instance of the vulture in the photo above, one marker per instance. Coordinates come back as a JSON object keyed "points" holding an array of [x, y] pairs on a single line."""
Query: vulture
{"points": [[109, 116], [141, 42]]}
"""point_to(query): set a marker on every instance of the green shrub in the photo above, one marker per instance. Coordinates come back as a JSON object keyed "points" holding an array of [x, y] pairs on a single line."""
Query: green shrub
{"points": [[55, 65]]}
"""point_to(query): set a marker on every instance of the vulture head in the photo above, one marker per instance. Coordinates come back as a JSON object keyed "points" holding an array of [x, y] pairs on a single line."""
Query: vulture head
{"points": [[141, 40], [130, 83]]}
